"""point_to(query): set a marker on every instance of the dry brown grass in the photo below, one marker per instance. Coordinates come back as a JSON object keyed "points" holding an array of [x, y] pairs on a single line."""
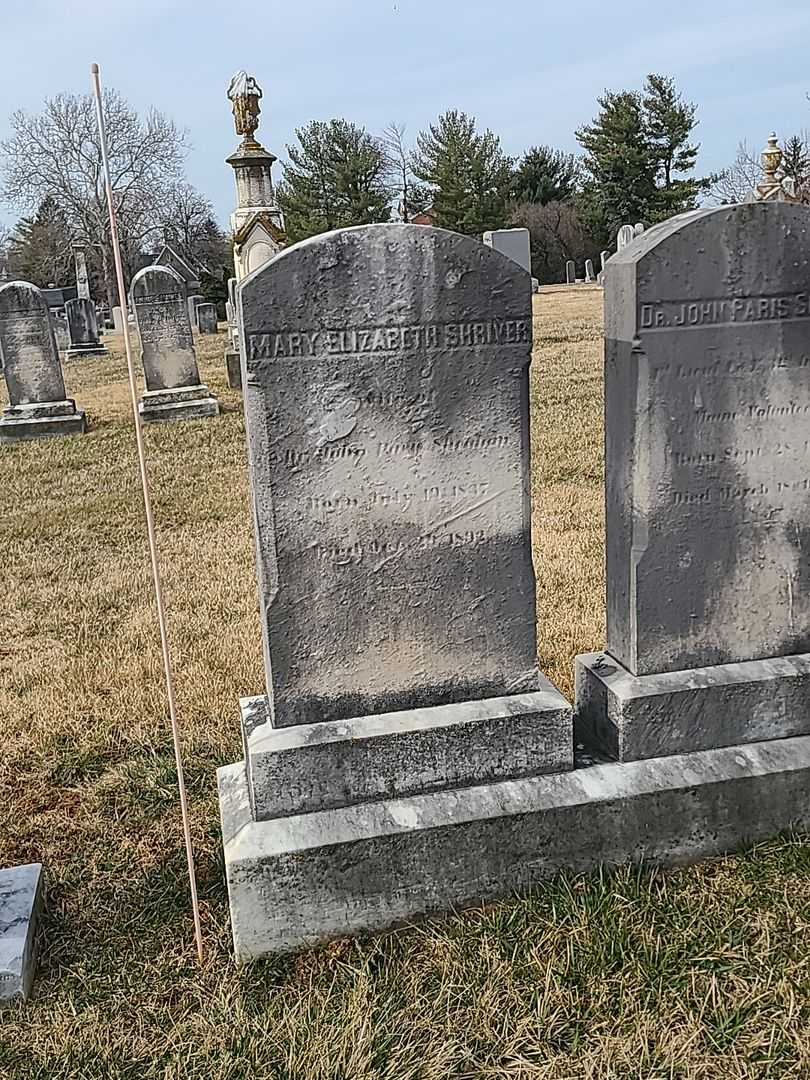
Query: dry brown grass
{"points": [[702, 973]]}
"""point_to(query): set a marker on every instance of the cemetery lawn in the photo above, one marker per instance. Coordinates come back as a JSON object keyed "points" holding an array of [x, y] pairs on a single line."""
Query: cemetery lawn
{"points": [[701, 972]]}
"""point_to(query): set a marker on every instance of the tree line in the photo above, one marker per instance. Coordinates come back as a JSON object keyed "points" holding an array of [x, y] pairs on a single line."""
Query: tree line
{"points": [[51, 165], [637, 163]]}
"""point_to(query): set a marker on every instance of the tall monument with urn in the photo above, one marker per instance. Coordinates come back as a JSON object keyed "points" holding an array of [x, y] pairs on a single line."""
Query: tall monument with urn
{"points": [[257, 222]]}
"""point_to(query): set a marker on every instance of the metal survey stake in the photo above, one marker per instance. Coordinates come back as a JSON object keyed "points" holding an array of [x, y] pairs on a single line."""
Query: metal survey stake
{"points": [[150, 522]]}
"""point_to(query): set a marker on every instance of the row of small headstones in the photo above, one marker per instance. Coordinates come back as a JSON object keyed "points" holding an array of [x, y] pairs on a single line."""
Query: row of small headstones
{"points": [[38, 403], [626, 235]]}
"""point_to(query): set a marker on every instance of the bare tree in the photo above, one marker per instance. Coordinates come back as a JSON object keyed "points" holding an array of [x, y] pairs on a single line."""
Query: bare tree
{"points": [[736, 184], [185, 218], [557, 234], [56, 154], [412, 195]]}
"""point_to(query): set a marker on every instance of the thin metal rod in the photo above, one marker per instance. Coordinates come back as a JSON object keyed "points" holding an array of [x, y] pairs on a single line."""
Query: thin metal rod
{"points": [[150, 521]]}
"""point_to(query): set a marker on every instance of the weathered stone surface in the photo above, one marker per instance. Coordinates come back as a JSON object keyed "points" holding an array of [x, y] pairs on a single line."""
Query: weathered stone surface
{"points": [[21, 892], [312, 767], [589, 274], [185, 403], [570, 272], [118, 320], [513, 243], [707, 389], [207, 318], [386, 403], [83, 328], [299, 880], [632, 717], [38, 404]]}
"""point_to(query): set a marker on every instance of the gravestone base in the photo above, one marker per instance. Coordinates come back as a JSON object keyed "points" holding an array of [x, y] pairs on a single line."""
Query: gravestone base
{"points": [[21, 889], [233, 366], [185, 403], [298, 881], [97, 349], [632, 717], [43, 420], [312, 767]]}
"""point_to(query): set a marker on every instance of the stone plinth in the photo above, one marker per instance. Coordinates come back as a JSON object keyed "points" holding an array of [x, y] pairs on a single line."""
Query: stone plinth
{"points": [[173, 387], [298, 881], [83, 329], [38, 403], [21, 894], [641, 716], [313, 767]]}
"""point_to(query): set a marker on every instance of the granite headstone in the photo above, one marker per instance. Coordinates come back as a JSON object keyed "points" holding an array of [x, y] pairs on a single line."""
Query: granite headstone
{"points": [[173, 387], [570, 272], [82, 322], [38, 403], [707, 402], [207, 318]]}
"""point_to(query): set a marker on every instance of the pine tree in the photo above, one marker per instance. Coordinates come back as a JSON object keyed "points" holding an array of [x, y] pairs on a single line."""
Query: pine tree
{"points": [[632, 150], [39, 249], [338, 176], [545, 175], [467, 173]]}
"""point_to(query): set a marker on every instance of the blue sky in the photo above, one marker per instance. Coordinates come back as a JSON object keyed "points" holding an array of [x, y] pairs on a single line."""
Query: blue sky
{"points": [[529, 69]]}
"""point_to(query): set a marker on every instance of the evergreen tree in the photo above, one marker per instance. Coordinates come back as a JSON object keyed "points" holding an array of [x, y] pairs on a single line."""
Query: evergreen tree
{"points": [[467, 173], [337, 176], [39, 249], [545, 175], [632, 150]]}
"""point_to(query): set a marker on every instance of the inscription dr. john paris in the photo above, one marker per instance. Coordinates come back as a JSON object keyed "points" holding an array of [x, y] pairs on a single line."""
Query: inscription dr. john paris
{"points": [[708, 441], [686, 314], [390, 470], [387, 339]]}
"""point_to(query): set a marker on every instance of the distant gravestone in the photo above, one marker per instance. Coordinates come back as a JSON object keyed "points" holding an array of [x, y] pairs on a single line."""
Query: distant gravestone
{"points": [[603, 258], [515, 244], [173, 387], [589, 274], [82, 324], [118, 320], [233, 363], [570, 272], [207, 318], [638, 228], [193, 302], [707, 401], [38, 405], [625, 236], [387, 423], [21, 893], [82, 280]]}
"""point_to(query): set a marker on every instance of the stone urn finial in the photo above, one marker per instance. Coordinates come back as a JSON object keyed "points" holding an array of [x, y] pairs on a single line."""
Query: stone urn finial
{"points": [[244, 94], [771, 159]]}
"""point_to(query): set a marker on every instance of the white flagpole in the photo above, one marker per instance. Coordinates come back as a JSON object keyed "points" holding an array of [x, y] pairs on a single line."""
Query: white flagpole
{"points": [[150, 521]]}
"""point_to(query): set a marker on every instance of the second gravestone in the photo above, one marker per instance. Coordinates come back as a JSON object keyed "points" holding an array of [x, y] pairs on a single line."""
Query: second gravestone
{"points": [[38, 405], [173, 387], [387, 415], [707, 415]]}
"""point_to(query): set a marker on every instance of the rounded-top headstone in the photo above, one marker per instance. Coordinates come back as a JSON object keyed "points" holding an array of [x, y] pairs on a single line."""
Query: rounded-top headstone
{"points": [[31, 365], [161, 314], [386, 403], [707, 385]]}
